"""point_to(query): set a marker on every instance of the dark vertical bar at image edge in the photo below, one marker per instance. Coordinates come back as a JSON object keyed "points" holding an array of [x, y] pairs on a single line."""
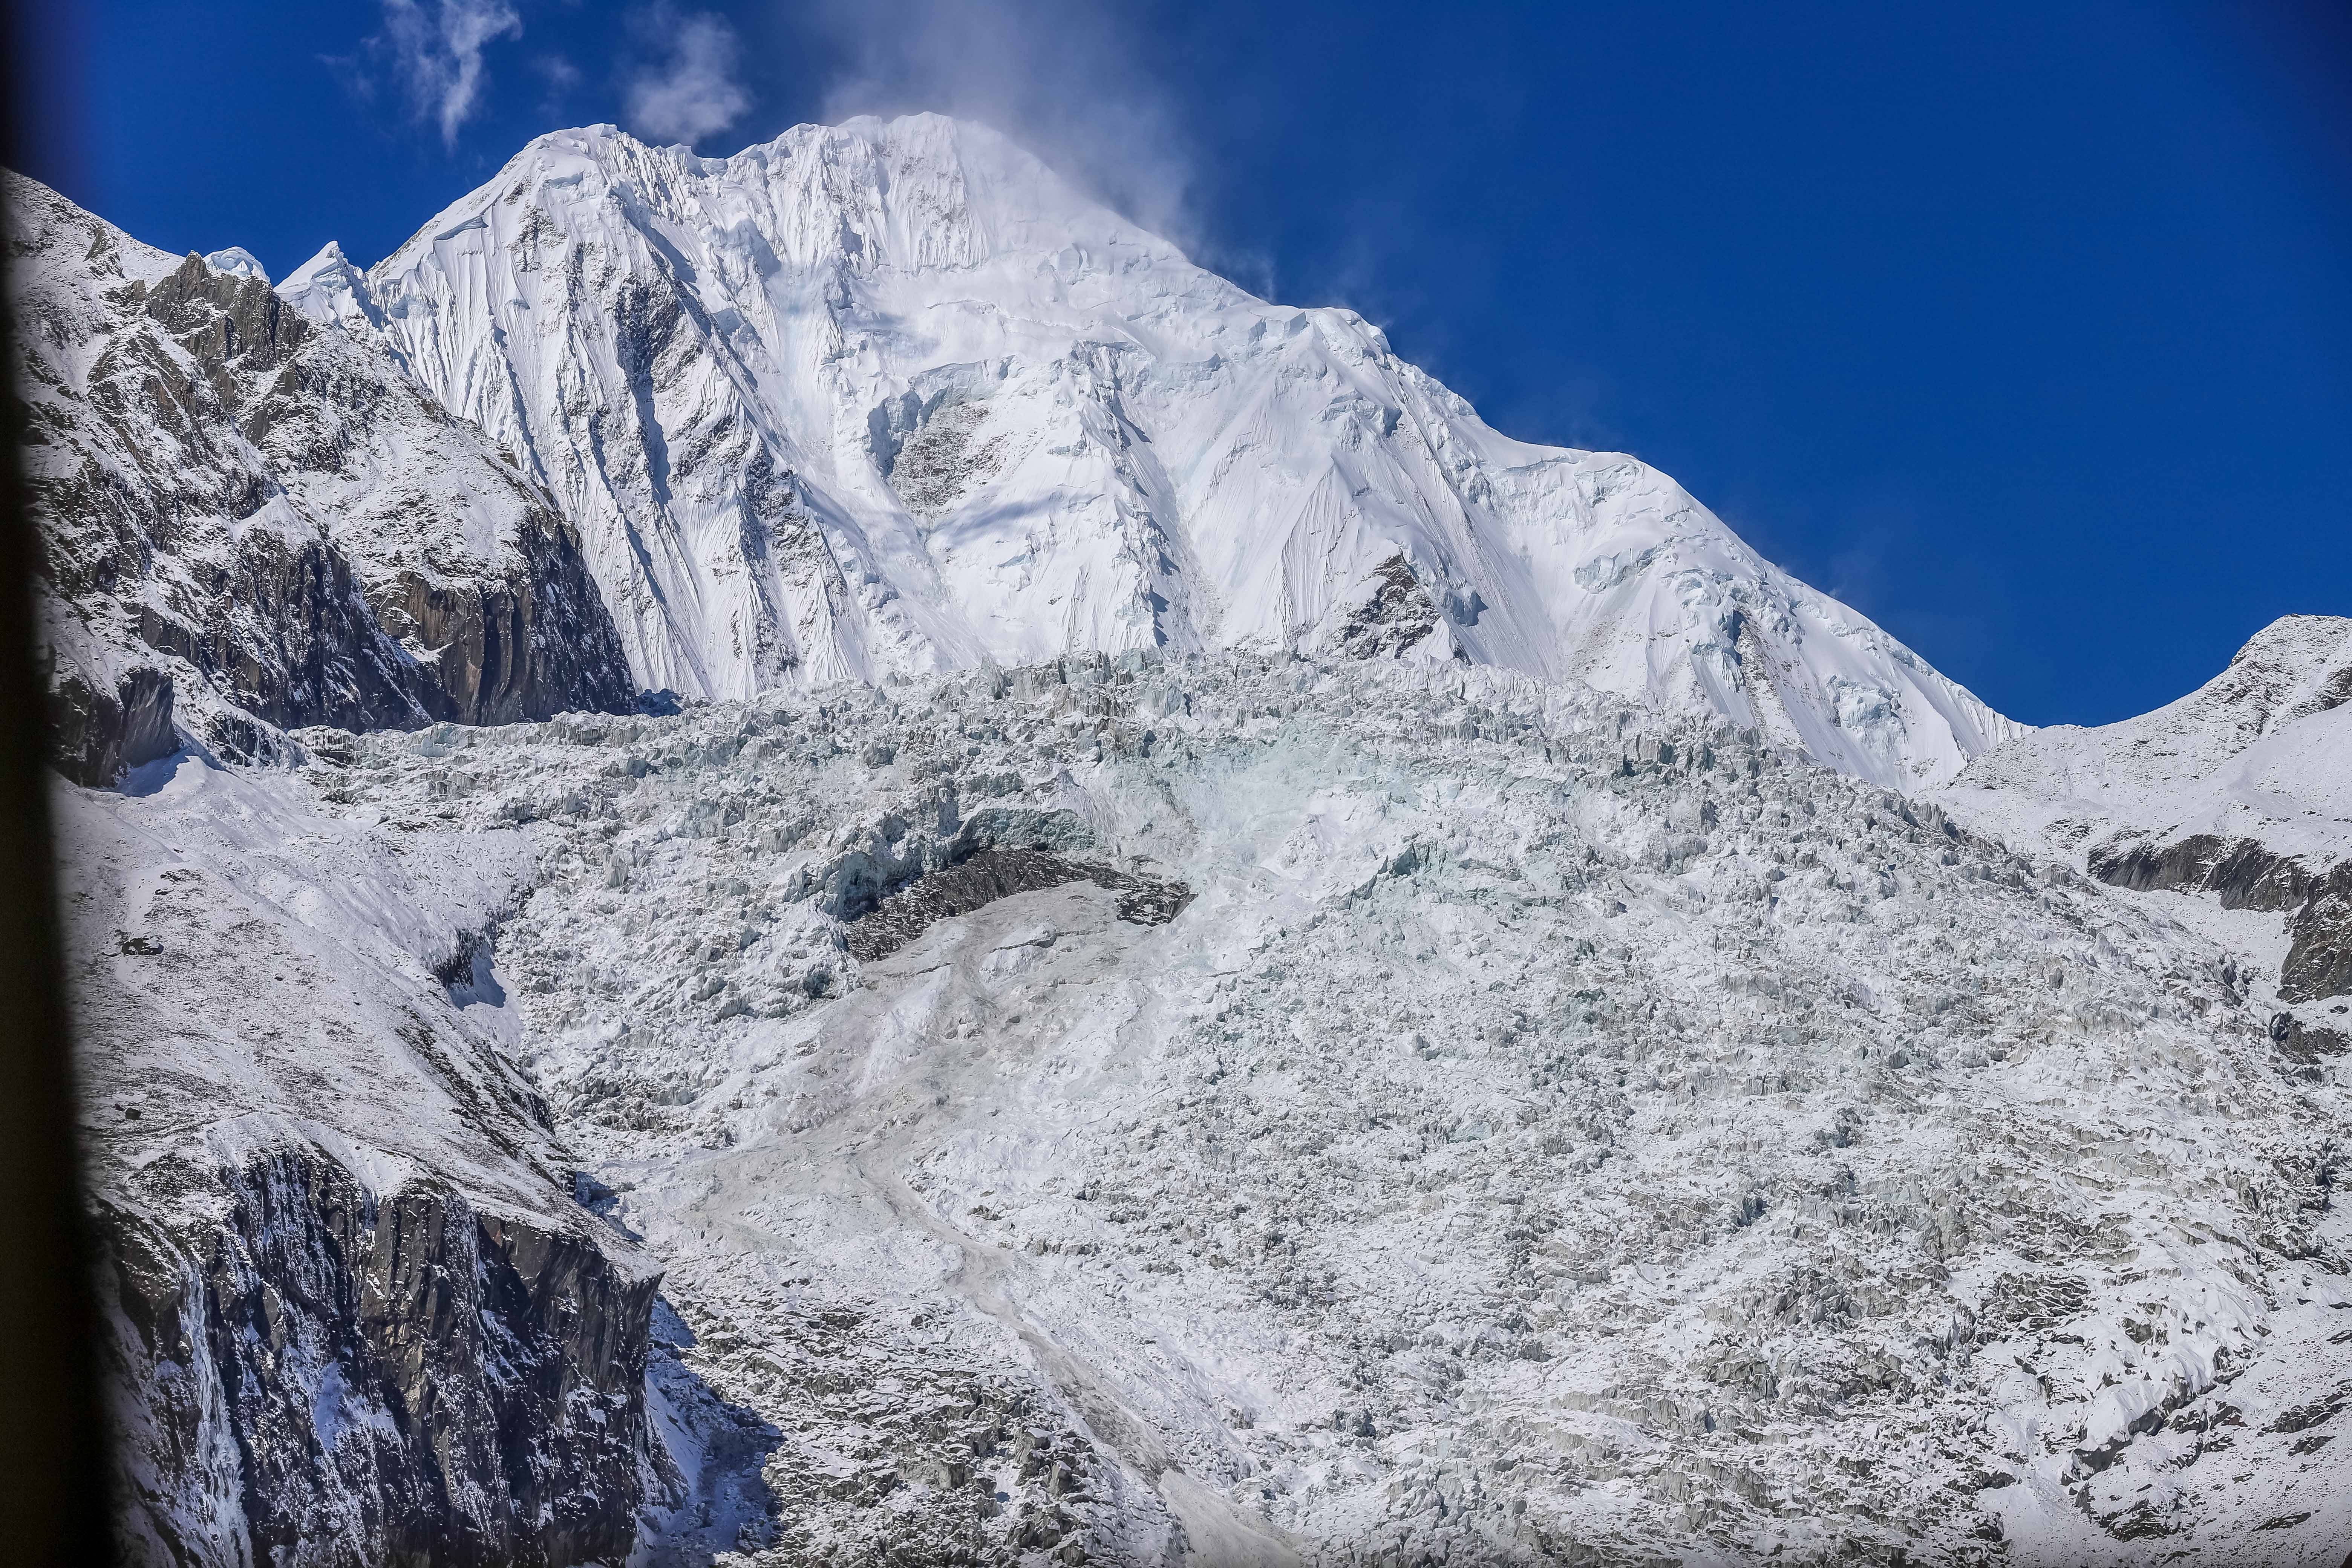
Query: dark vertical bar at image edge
{"points": [[54, 1507]]}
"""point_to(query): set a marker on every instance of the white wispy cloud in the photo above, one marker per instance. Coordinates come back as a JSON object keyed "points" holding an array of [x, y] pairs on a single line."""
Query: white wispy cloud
{"points": [[438, 54], [694, 92], [1070, 79]]}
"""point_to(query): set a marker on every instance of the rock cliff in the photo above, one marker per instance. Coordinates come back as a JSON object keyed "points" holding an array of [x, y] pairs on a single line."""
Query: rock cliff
{"points": [[247, 523], [352, 1313]]}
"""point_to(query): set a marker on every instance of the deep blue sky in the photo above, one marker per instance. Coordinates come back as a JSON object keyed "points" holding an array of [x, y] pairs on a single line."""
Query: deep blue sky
{"points": [[2025, 328]]}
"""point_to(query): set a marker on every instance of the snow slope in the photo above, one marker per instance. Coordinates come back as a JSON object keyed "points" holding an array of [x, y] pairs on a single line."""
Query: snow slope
{"points": [[891, 397], [2258, 751], [351, 1312]]}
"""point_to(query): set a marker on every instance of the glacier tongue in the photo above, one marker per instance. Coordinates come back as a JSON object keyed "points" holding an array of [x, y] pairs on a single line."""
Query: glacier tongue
{"points": [[890, 398]]}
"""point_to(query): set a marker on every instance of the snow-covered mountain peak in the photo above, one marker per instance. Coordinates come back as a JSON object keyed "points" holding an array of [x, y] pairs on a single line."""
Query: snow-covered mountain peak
{"points": [[2298, 665], [1380, 1067], [890, 396], [236, 262], [920, 193], [2295, 669], [331, 290]]}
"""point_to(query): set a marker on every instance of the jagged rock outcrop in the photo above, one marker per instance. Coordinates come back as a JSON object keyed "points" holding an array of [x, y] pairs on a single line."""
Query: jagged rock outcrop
{"points": [[981, 878], [400, 1377], [1395, 616], [2248, 875], [270, 523], [98, 729]]}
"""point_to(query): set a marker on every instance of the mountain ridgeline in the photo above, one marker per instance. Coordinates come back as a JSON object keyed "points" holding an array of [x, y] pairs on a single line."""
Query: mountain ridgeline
{"points": [[246, 522]]}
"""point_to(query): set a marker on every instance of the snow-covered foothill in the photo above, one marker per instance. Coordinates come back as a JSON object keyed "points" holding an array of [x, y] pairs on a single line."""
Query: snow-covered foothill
{"points": [[2241, 790], [352, 1313], [2257, 751]]}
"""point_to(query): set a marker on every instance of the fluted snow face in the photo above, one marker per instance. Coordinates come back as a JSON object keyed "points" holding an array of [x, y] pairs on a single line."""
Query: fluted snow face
{"points": [[892, 397]]}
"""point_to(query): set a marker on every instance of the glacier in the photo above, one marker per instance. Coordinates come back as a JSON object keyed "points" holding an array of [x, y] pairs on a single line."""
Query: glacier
{"points": [[1540, 1135]]}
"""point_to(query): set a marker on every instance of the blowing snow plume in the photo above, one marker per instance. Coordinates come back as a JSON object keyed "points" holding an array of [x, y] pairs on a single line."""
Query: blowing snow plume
{"points": [[1066, 80]]}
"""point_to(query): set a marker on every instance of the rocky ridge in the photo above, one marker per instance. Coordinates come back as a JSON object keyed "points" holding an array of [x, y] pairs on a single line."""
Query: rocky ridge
{"points": [[247, 523], [2241, 789], [352, 1313]]}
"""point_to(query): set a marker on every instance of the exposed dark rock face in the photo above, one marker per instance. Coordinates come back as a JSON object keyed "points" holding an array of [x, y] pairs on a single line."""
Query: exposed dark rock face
{"points": [[352, 1311], [2247, 874], [1398, 615], [994, 873], [404, 1380], [2306, 1044], [494, 657], [275, 513], [2319, 963], [2250, 876], [96, 734], [291, 640]]}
